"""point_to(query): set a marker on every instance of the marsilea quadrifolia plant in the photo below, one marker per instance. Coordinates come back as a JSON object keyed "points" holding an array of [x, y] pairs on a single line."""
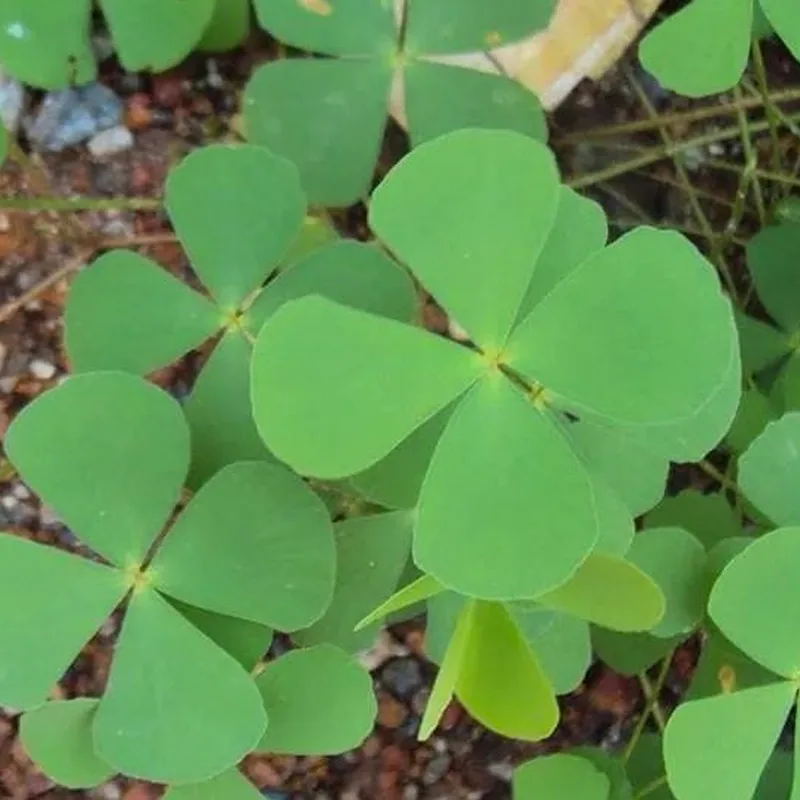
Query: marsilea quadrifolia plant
{"points": [[495, 478]]}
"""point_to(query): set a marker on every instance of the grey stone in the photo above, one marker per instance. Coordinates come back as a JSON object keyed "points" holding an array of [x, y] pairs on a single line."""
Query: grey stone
{"points": [[71, 116], [402, 676], [12, 102]]}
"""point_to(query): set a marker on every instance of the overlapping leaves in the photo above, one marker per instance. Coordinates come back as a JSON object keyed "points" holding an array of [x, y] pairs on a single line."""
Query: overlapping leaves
{"points": [[49, 44], [755, 605], [500, 659], [328, 114], [109, 453], [508, 507], [720, 744], [716, 61], [238, 211]]}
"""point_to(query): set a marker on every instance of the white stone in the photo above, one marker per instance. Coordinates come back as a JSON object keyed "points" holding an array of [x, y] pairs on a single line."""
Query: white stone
{"points": [[42, 370], [111, 142]]}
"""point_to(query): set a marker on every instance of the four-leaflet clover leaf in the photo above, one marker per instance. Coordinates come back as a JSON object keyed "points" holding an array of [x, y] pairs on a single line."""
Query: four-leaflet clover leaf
{"points": [[328, 114], [759, 664], [109, 453], [507, 509], [237, 210], [49, 44], [717, 62], [306, 717]]}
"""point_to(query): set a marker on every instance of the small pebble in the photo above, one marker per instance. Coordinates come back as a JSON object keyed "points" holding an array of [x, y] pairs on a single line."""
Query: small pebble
{"points": [[402, 676], [42, 370], [12, 102], [111, 142], [436, 769], [72, 116]]}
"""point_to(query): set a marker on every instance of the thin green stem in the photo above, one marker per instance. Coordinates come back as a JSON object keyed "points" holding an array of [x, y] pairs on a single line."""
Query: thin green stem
{"points": [[769, 106], [650, 704], [651, 787], [626, 202], [722, 479], [35, 204], [680, 117], [702, 220], [656, 154], [779, 177], [780, 115], [651, 695], [751, 166], [627, 224]]}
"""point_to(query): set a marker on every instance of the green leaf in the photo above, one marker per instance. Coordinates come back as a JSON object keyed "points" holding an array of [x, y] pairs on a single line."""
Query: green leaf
{"points": [[396, 480], [612, 338], [423, 588], [764, 630], [500, 464], [636, 603], [456, 26], [229, 26], [125, 312], [158, 720], [316, 232], [631, 653], [783, 18], [219, 412], [722, 668], [769, 472], [58, 738], [637, 475], [4, 139], [615, 528], [762, 345], [231, 785], [709, 517], [711, 63], [718, 746], [319, 702], [722, 553], [779, 777], [335, 27], [501, 682], [234, 235], [246, 641], [425, 212], [692, 438], [397, 378], [327, 116], [47, 44], [40, 636], [451, 661], [755, 412], [646, 766], [155, 34], [772, 256], [442, 98], [579, 231], [676, 561], [785, 391], [612, 767], [275, 563], [108, 453], [371, 554], [560, 641], [350, 273], [559, 775]]}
